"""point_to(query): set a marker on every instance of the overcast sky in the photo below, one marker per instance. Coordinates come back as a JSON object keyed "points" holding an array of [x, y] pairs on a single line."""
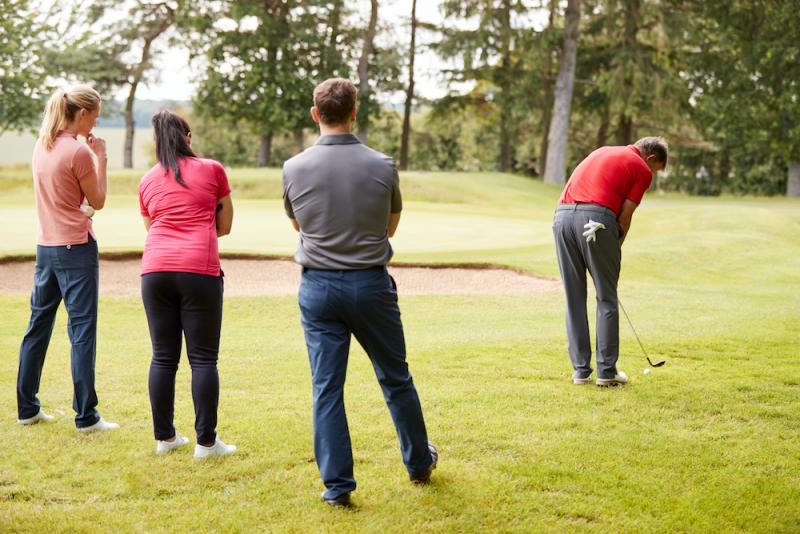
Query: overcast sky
{"points": [[177, 74]]}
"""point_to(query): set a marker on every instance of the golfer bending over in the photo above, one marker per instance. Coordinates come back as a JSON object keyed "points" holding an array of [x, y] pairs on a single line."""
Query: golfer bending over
{"points": [[591, 222], [185, 202], [344, 199], [66, 173]]}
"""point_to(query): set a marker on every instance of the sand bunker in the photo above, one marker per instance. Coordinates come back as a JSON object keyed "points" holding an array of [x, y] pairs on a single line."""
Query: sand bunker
{"points": [[255, 277]]}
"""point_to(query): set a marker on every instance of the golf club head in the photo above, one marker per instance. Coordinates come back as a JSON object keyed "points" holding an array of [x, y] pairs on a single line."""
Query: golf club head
{"points": [[657, 364]]}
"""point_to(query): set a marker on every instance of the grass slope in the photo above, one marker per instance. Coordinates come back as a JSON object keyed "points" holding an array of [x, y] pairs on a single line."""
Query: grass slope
{"points": [[706, 443]]}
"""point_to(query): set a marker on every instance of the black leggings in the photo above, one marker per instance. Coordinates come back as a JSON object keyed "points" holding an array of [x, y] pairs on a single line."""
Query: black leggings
{"points": [[188, 304]]}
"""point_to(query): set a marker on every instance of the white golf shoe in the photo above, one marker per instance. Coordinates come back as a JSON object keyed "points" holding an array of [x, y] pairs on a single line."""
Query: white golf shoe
{"points": [[577, 380], [41, 416], [620, 379], [163, 447], [102, 424], [217, 449]]}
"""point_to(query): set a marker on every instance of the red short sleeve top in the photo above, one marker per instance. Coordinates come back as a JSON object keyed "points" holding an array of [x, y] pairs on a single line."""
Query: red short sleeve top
{"points": [[183, 234], [607, 177]]}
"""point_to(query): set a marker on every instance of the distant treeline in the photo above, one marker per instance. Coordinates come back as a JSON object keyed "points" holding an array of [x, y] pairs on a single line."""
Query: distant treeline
{"points": [[143, 111], [548, 81]]}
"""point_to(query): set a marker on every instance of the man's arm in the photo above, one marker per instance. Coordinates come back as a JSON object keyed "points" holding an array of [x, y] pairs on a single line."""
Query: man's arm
{"points": [[394, 220], [295, 224], [147, 222], [625, 216]]}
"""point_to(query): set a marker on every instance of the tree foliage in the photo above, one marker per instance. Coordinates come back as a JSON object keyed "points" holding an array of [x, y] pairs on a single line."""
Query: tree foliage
{"points": [[719, 80], [742, 65], [262, 67], [487, 50], [23, 73]]}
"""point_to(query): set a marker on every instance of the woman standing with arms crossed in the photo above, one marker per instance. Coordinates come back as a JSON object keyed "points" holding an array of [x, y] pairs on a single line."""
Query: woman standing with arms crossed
{"points": [[65, 172], [185, 202]]}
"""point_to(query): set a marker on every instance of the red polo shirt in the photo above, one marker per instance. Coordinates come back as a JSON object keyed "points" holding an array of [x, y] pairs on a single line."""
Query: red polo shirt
{"points": [[607, 177], [183, 234]]}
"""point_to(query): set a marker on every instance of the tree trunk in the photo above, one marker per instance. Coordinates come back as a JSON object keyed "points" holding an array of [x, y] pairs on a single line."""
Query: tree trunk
{"points": [[793, 182], [556, 166], [363, 75], [299, 140], [605, 123], [404, 139], [130, 125], [506, 102], [548, 94], [149, 37], [724, 168], [264, 150], [630, 53], [624, 129]]}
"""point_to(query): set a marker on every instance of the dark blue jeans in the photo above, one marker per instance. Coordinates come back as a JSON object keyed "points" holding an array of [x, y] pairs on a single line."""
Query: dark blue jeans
{"points": [[70, 273], [334, 305]]}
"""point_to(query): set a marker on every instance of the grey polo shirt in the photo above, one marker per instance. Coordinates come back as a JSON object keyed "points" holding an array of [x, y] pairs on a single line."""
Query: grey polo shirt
{"points": [[341, 193]]}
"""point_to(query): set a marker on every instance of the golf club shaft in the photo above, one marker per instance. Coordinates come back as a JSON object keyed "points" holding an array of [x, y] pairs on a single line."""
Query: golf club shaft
{"points": [[621, 307]]}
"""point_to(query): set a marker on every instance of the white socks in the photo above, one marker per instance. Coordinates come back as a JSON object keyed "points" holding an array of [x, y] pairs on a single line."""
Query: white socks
{"points": [[217, 449], [41, 416], [102, 424]]}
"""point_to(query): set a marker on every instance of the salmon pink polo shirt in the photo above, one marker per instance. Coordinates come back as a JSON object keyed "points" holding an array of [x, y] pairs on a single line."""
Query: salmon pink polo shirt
{"points": [[608, 176], [183, 234], [57, 176]]}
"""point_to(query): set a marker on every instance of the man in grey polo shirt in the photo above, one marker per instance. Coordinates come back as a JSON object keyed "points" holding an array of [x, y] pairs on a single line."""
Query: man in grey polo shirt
{"points": [[344, 199]]}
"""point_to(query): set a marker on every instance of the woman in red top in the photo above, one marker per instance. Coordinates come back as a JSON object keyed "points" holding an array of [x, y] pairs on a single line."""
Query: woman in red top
{"points": [[185, 202]]}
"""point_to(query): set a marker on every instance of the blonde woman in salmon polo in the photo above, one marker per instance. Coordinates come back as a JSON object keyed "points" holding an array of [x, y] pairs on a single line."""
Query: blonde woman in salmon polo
{"points": [[69, 179]]}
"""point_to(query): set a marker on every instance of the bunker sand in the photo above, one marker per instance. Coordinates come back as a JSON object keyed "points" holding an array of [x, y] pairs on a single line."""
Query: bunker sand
{"points": [[275, 277]]}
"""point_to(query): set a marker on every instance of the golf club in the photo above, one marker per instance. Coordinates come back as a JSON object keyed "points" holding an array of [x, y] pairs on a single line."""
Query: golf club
{"points": [[657, 364]]}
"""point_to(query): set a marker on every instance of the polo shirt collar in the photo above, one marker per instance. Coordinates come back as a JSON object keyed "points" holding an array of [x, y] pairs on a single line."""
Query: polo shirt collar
{"points": [[338, 139], [64, 133], [635, 149]]}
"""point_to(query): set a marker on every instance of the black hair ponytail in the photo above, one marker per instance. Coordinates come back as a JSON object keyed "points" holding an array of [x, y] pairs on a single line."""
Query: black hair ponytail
{"points": [[172, 142]]}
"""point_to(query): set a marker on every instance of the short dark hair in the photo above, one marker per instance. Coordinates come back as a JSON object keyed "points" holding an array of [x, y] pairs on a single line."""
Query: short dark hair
{"points": [[335, 99], [653, 145]]}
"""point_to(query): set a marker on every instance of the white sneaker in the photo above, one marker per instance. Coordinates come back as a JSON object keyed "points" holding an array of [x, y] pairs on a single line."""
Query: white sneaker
{"points": [[217, 449], [41, 416], [620, 379], [581, 381], [102, 424], [163, 447]]}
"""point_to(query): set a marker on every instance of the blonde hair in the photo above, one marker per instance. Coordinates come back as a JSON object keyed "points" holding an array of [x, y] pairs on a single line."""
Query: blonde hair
{"points": [[62, 108]]}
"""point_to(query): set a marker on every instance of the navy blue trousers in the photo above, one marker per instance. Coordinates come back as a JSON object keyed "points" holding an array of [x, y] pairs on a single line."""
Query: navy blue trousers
{"points": [[334, 305], [70, 273]]}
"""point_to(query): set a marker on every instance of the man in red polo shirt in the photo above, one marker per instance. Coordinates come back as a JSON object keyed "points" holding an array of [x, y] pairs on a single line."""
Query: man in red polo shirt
{"points": [[591, 222]]}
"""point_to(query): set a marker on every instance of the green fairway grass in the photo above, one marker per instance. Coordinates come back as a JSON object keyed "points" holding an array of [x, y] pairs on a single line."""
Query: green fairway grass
{"points": [[707, 443]]}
